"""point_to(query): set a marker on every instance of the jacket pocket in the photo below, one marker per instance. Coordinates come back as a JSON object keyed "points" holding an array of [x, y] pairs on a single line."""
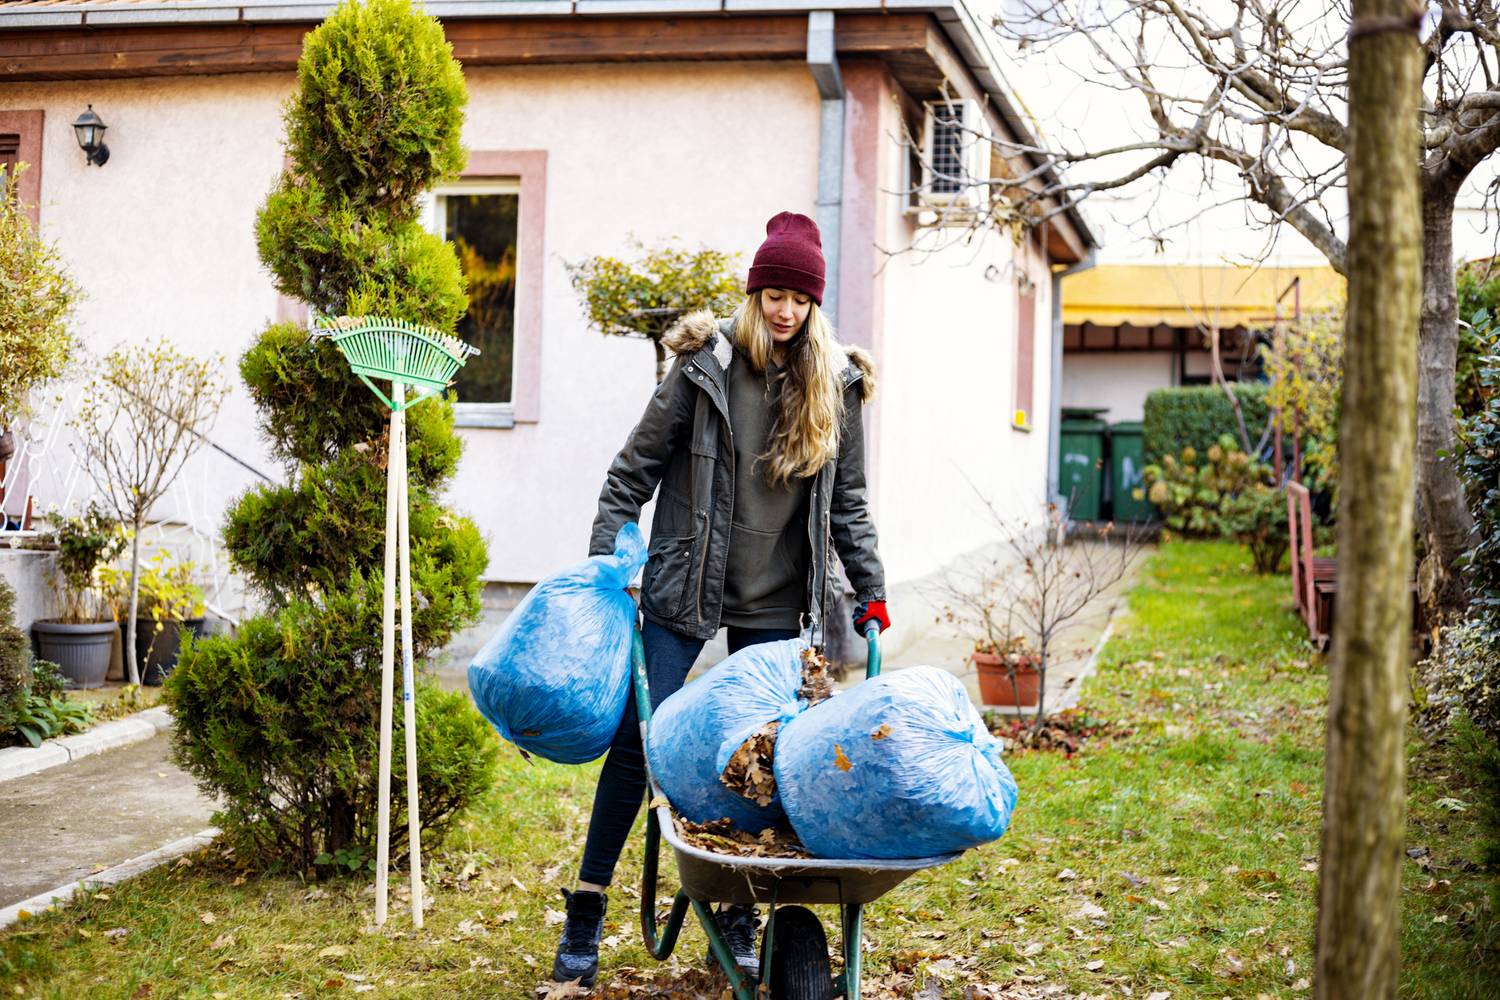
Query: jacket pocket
{"points": [[668, 573]]}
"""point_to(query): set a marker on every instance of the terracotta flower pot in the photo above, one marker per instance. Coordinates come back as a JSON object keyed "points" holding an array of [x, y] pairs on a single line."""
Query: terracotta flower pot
{"points": [[995, 687]]}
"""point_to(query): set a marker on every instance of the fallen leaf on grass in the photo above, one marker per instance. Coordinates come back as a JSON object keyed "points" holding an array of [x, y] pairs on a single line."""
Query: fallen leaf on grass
{"points": [[1066, 875], [207, 916], [554, 917], [221, 942], [141, 992], [116, 933], [507, 917], [550, 874], [1092, 911], [1095, 965], [333, 951], [468, 929], [1031, 948], [1159, 995], [1452, 805], [561, 991]]}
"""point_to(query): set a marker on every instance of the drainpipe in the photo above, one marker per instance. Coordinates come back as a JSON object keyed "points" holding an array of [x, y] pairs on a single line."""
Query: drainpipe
{"points": [[1054, 430], [822, 60]]}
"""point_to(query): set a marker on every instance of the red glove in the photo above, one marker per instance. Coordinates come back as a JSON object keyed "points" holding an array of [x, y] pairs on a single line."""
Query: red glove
{"points": [[872, 611]]}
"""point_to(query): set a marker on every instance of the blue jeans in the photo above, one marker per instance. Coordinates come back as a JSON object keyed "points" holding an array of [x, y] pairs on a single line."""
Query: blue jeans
{"points": [[622, 782]]}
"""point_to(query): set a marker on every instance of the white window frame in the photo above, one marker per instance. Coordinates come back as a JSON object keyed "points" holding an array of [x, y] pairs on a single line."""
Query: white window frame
{"points": [[494, 415]]}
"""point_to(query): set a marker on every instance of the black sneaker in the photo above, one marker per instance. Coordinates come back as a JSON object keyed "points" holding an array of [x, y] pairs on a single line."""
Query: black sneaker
{"points": [[741, 927], [578, 952]]}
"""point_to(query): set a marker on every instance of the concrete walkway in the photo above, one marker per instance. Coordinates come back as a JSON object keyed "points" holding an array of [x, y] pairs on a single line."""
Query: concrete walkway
{"points": [[65, 823]]}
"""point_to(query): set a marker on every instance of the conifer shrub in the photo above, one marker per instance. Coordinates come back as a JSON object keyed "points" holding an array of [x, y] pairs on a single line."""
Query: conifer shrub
{"points": [[280, 721]]}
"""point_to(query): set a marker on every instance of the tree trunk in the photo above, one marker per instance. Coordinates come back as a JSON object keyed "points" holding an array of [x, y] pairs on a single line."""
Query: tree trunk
{"points": [[132, 667], [1444, 522], [1364, 807], [661, 359]]}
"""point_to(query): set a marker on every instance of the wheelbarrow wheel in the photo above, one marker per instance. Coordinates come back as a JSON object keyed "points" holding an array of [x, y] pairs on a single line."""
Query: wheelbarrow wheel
{"points": [[800, 969]]}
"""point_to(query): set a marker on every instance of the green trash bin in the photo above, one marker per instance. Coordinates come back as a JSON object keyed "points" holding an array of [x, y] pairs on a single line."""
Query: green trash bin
{"points": [[1081, 463], [1126, 459]]}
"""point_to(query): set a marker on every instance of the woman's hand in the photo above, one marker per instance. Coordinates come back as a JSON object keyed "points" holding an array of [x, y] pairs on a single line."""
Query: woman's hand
{"points": [[871, 611]]}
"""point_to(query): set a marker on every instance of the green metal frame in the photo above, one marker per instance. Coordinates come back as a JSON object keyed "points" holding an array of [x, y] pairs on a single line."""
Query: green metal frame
{"points": [[398, 351], [661, 941]]}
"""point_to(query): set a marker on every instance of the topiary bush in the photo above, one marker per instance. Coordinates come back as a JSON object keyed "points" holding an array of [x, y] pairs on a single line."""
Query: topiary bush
{"points": [[1196, 416], [280, 722], [15, 664]]}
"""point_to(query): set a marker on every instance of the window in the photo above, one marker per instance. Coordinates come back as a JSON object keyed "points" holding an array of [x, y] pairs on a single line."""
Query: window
{"points": [[495, 216], [21, 142], [1025, 355], [10, 155], [482, 221]]}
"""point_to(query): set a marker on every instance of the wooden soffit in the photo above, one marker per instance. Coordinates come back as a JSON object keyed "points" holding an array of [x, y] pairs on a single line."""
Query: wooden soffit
{"points": [[246, 47]]}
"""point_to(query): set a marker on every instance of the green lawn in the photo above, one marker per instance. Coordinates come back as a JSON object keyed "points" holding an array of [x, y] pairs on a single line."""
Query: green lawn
{"points": [[1178, 856]]}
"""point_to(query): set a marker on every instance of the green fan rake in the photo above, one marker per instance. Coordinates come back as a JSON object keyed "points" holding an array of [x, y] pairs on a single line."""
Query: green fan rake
{"points": [[405, 354]]}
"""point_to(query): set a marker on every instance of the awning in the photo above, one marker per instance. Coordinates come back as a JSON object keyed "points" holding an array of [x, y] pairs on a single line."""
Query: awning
{"points": [[1149, 295]]}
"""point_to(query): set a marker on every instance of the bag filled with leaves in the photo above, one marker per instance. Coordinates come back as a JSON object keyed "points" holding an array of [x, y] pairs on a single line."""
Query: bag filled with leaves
{"points": [[713, 742], [554, 679], [901, 766]]}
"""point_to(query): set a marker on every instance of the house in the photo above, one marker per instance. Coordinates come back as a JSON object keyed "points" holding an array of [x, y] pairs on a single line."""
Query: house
{"points": [[1131, 327], [589, 122]]}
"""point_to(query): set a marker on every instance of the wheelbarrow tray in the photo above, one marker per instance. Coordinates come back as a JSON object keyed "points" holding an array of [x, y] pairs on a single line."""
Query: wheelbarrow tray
{"points": [[709, 876]]}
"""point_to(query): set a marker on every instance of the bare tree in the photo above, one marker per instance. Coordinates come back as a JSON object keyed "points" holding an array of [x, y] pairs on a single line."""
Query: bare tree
{"points": [[1364, 793], [1034, 583], [140, 419], [1259, 88]]}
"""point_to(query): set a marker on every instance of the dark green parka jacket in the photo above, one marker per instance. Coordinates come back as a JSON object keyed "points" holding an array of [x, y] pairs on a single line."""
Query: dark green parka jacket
{"points": [[682, 444]]}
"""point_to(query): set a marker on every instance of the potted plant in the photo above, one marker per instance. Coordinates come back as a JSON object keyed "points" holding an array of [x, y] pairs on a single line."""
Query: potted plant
{"points": [[1008, 672], [169, 601], [80, 641], [143, 415]]}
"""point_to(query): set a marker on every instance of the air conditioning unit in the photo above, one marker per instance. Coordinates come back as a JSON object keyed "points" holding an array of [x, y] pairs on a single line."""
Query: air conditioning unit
{"points": [[955, 156]]}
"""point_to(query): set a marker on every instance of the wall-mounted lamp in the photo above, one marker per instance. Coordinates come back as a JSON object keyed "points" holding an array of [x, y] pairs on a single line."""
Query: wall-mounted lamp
{"points": [[89, 128]]}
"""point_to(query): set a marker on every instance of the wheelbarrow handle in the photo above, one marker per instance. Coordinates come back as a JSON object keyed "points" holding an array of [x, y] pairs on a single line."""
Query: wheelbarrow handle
{"points": [[872, 637]]}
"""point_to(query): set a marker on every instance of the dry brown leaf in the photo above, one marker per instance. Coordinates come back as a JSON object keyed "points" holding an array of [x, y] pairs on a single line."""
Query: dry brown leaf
{"points": [[750, 772], [221, 942], [841, 760], [207, 916], [723, 837], [817, 682], [333, 951], [882, 732]]}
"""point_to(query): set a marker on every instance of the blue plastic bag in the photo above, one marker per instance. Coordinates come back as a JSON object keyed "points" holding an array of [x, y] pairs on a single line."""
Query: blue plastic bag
{"points": [[697, 729], [554, 679], [899, 767]]}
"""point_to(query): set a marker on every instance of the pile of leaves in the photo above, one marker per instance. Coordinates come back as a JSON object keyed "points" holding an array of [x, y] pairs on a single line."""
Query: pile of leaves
{"points": [[722, 837], [1067, 731], [750, 772]]}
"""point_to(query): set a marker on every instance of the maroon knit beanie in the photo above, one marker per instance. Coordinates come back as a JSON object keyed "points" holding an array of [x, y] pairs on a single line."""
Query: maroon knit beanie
{"points": [[791, 257]]}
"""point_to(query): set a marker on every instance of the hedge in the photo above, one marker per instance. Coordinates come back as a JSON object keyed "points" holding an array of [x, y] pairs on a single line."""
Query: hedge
{"points": [[1196, 415]]}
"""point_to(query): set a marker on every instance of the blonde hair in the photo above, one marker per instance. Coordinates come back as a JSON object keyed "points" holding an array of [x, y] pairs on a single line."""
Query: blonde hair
{"points": [[805, 435]]}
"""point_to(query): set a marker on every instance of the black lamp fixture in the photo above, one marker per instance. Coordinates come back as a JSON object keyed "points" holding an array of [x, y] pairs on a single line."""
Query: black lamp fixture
{"points": [[89, 128]]}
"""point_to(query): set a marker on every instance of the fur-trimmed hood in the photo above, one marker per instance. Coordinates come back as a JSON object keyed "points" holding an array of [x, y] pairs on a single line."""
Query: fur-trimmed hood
{"points": [[700, 329]]}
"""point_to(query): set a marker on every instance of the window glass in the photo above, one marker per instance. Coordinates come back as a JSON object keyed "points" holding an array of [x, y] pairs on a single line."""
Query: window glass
{"points": [[482, 228]]}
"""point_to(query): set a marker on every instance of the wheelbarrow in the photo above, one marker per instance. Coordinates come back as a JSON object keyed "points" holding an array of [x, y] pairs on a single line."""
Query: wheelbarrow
{"points": [[794, 962]]}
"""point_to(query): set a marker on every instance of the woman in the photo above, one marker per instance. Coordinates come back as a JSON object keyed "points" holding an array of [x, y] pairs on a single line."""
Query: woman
{"points": [[755, 440]]}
